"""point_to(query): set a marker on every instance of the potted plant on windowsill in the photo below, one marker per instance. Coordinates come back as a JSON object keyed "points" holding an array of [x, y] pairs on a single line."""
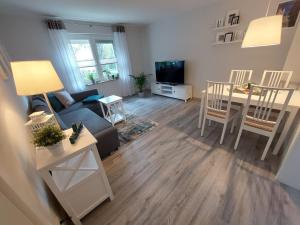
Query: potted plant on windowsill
{"points": [[90, 76], [50, 138], [140, 82]]}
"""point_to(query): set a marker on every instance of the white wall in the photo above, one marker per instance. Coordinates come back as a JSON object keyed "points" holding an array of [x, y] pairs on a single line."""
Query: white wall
{"points": [[17, 166], [290, 167], [292, 60], [190, 36]]}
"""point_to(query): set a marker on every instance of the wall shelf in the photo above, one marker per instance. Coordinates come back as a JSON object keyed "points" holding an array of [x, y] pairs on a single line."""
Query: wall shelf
{"points": [[227, 27], [225, 43]]}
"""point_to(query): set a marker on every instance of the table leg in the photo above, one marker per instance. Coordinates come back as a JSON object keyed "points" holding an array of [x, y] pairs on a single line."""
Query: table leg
{"points": [[123, 110], [110, 115], [201, 110], [285, 130], [102, 109]]}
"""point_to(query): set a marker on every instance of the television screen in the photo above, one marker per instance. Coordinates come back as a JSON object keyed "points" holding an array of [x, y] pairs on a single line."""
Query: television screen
{"points": [[171, 72]]}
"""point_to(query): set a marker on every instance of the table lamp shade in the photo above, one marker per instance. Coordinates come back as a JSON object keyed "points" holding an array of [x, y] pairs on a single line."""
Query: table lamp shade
{"points": [[264, 31], [35, 77]]}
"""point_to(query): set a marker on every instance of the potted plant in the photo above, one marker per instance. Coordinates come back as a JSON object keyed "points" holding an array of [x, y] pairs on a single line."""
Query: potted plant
{"points": [[90, 76], [140, 81], [49, 137]]}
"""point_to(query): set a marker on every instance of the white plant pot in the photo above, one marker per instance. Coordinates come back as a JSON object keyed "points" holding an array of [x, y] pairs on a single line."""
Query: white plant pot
{"points": [[141, 94], [56, 149]]}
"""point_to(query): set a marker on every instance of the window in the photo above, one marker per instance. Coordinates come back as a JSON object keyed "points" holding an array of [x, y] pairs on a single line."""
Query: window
{"points": [[96, 59], [85, 60], [108, 60]]}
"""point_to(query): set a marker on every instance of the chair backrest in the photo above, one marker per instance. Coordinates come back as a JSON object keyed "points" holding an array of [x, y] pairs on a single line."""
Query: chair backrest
{"points": [[266, 98], [215, 96], [276, 78], [239, 77]]}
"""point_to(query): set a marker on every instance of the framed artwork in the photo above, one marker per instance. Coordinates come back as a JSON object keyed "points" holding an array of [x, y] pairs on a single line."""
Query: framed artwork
{"points": [[235, 20], [220, 23], [230, 15], [228, 37], [290, 12], [220, 38]]}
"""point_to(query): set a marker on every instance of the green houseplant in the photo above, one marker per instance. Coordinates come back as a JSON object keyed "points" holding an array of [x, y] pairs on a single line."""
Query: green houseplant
{"points": [[140, 82], [90, 76], [48, 136]]}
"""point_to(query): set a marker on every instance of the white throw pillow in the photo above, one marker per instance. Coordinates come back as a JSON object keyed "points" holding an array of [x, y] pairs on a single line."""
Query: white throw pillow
{"points": [[65, 98]]}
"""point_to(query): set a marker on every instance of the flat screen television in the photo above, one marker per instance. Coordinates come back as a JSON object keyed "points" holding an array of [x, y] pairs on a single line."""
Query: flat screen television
{"points": [[170, 72]]}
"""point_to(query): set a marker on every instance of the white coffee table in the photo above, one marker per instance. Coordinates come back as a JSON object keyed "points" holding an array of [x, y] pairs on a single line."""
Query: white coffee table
{"points": [[115, 110]]}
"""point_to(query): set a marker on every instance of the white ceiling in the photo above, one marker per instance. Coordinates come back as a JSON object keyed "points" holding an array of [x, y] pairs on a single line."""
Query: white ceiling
{"points": [[106, 11]]}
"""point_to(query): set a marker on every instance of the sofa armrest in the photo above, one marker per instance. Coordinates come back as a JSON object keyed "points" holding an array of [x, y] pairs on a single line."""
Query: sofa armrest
{"points": [[79, 96]]}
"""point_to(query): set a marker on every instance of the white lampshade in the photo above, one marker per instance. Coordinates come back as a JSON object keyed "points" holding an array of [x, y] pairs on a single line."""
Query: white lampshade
{"points": [[35, 77], [264, 31]]}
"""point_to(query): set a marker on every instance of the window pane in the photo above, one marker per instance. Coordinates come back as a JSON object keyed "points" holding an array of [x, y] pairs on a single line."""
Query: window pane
{"points": [[90, 74], [110, 71], [82, 50], [106, 51], [88, 63]]}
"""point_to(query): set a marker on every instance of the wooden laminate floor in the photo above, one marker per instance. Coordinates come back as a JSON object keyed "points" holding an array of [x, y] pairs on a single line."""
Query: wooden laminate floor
{"points": [[171, 175]]}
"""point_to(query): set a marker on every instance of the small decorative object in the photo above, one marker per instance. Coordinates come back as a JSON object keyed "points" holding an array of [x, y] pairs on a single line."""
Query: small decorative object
{"points": [[235, 20], [40, 120], [220, 38], [48, 136], [140, 81], [290, 12], [76, 131], [220, 23], [230, 15], [228, 37], [90, 76], [37, 116]]}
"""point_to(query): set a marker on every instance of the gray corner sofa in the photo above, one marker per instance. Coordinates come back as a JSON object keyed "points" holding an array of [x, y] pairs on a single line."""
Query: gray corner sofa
{"points": [[89, 114]]}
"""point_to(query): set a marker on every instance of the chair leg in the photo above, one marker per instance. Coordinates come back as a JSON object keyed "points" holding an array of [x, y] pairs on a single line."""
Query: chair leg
{"points": [[238, 138], [203, 126], [209, 123], [267, 148], [223, 133], [232, 125]]}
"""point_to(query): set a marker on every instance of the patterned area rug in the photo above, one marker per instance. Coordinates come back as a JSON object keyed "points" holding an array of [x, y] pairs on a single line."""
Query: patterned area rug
{"points": [[133, 128]]}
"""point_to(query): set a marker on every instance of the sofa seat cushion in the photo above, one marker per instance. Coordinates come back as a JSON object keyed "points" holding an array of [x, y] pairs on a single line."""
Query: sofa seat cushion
{"points": [[91, 120]]}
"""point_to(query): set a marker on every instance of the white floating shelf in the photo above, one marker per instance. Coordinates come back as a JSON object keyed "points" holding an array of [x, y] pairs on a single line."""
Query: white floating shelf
{"points": [[225, 43], [226, 27]]}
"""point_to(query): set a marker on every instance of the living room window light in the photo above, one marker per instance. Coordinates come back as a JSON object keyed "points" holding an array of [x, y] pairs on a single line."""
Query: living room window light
{"points": [[96, 59]]}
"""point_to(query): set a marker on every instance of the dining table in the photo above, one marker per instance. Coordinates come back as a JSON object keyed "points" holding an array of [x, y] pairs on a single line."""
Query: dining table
{"points": [[241, 98]]}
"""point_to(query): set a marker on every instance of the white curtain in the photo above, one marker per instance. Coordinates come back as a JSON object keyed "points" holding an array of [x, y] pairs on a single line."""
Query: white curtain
{"points": [[70, 74], [124, 64], [4, 63]]}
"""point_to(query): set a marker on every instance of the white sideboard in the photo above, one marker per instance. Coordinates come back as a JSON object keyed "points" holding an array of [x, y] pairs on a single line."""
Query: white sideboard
{"points": [[183, 92]]}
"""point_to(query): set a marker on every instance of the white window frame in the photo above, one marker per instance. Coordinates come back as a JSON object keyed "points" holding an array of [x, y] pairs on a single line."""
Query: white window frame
{"points": [[93, 39]]}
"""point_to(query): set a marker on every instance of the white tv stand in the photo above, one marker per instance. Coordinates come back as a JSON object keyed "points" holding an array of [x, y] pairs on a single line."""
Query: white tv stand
{"points": [[183, 92]]}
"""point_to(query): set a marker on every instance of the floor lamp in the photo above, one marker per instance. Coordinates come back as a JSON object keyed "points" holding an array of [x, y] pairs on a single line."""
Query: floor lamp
{"points": [[35, 77]]}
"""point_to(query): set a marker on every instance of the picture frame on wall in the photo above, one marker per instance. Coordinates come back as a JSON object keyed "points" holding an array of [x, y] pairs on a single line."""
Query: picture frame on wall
{"points": [[290, 11], [220, 23], [235, 20], [230, 15], [228, 37], [220, 37]]}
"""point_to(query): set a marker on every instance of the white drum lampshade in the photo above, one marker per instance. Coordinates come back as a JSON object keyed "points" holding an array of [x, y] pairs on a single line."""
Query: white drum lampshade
{"points": [[264, 31]]}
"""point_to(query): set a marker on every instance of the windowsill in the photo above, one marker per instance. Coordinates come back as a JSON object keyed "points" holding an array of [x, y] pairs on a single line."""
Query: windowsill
{"points": [[101, 82]]}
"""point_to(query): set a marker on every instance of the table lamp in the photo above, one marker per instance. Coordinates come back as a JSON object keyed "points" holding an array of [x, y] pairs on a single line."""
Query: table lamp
{"points": [[35, 77]]}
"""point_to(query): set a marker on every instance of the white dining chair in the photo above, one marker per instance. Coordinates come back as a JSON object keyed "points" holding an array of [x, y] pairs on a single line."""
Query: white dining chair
{"points": [[239, 77], [276, 78], [218, 107], [262, 118]]}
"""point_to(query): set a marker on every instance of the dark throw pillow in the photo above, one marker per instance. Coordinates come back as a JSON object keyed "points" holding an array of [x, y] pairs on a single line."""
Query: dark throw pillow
{"points": [[92, 99], [55, 103]]}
